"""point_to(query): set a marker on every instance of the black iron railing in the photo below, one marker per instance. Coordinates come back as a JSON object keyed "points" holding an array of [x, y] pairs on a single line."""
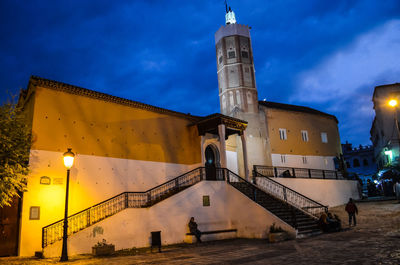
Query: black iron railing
{"points": [[288, 195], [253, 192], [100, 211], [288, 172]]}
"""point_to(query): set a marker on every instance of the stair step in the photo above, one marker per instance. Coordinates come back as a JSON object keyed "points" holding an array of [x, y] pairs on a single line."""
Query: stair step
{"points": [[305, 224]]}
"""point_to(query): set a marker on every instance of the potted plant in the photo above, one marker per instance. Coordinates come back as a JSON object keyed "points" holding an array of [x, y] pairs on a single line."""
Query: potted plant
{"points": [[276, 234], [103, 249]]}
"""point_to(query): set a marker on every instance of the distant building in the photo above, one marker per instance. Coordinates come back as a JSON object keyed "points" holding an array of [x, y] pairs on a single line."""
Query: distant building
{"points": [[360, 160], [385, 127]]}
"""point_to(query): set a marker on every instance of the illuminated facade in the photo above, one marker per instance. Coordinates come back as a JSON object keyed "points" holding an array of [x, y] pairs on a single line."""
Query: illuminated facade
{"points": [[136, 165], [385, 133], [277, 134]]}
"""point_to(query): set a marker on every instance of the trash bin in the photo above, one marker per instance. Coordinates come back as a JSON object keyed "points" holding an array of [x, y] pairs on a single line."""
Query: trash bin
{"points": [[156, 240]]}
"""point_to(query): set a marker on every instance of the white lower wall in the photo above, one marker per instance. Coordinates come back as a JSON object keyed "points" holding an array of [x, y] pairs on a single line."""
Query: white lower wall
{"points": [[93, 179], [329, 192], [132, 227], [296, 161], [232, 161]]}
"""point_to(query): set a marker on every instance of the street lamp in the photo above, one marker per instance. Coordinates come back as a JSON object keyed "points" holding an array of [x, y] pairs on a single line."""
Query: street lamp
{"points": [[68, 162], [394, 103]]}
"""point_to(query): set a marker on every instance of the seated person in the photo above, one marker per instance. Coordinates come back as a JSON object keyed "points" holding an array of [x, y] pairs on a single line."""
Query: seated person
{"points": [[193, 229], [323, 222], [334, 223]]}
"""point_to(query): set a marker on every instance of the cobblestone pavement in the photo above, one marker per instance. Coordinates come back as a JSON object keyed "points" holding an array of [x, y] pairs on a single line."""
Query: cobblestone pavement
{"points": [[375, 240]]}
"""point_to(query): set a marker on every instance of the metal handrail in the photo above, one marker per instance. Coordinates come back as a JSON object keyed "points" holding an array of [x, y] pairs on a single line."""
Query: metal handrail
{"points": [[89, 216], [289, 195], [289, 172], [232, 178]]}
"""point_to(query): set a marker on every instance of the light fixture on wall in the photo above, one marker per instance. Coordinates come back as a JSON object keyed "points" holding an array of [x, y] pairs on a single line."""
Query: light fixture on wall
{"points": [[68, 163]]}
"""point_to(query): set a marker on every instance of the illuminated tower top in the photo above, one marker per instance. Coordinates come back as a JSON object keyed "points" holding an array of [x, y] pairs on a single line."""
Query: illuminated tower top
{"points": [[229, 16], [235, 68]]}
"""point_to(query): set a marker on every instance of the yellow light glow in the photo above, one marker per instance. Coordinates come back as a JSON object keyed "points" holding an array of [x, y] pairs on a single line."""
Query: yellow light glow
{"points": [[393, 102], [69, 158]]}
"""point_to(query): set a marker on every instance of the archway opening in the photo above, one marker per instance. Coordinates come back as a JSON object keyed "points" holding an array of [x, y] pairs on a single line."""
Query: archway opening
{"points": [[212, 162]]}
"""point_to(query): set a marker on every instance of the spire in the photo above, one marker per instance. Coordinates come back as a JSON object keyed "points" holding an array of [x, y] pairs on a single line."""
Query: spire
{"points": [[229, 16]]}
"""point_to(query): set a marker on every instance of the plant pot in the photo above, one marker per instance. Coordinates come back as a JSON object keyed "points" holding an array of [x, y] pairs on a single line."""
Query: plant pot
{"points": [[103, 250], [277, 237]]}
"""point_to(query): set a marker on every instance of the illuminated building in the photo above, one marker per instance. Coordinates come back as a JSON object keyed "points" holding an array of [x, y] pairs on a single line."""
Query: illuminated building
{"points": [[136, 165]]}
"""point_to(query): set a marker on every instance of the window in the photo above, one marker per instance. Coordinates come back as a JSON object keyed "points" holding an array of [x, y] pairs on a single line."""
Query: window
{"points": [[34, 213], [245, 54], [324, 137], [356, 163], [249, 98], [206, 200], [348, 165], [220, 59], [304, 160], [231, 54], [238, 101], [282, 134], [283, 159], [365, 162], [304, 136], [231, 99], [246, 70]]}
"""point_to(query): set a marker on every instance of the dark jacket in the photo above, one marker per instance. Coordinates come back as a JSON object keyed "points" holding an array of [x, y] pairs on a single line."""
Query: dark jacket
{"points": [[192, 226], [351, 208]]}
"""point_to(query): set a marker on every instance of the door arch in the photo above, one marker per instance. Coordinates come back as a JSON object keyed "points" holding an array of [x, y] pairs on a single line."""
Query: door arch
{"points": [[212, 162]]}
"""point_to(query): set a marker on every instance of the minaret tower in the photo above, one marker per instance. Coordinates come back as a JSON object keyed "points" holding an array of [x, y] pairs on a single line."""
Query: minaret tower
{"points": [[236, 78]]}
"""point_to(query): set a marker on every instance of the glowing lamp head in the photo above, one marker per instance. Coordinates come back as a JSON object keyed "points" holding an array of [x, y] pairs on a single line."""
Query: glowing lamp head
{"points": [[393, 103], [69, 158]]}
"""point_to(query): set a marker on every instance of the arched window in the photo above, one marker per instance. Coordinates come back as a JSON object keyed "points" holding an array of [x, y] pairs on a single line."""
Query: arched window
{"points": [[365, 162], [249, 98], [223, 103], [231, 102], [356, 163], [238, 101]]}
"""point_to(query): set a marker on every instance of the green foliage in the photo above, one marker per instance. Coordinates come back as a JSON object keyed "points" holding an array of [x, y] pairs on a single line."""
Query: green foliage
{"points": [[15, 142]]}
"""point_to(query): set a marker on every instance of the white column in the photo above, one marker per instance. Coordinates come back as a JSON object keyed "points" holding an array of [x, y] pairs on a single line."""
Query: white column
{"points": [[244, 147], [203, 159], [221, 133]]}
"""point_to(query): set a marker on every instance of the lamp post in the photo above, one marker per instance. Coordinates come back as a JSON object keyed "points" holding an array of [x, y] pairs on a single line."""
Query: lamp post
{"points": [[394, 103], [68, 162]]}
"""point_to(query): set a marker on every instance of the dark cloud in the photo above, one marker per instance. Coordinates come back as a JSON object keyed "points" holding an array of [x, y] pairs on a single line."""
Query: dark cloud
{"points": [[162, 52]]}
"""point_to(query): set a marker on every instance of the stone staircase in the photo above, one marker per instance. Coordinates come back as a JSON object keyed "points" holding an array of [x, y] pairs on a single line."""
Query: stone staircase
{"points": [[293, 215], [303, 222]]}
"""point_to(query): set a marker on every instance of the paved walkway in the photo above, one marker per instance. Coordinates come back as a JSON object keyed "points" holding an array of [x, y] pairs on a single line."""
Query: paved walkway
{"points": [[375, 240]]}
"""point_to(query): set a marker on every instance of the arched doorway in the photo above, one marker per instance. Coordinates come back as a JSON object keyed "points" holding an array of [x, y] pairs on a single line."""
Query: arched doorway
{"points": [[212, 162]]}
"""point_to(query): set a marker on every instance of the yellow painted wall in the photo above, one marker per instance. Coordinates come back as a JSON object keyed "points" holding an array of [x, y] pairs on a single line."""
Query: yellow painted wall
{"points": [[118, 148], [95, 127], [294, 122]]}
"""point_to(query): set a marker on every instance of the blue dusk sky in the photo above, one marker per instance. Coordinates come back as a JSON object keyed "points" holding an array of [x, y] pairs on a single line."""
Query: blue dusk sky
{"points": [[327, 55]]}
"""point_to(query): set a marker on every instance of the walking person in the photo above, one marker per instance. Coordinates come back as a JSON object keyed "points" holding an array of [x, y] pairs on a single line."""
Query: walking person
{"points": [[352, 210], [193, 229]]}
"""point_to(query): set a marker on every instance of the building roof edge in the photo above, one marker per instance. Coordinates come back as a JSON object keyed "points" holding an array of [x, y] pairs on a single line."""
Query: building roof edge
{"points": [[60, 86]]}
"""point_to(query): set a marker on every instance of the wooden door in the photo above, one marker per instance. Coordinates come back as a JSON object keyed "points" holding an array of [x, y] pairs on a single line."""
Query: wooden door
{"points": [[9, 228]]}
